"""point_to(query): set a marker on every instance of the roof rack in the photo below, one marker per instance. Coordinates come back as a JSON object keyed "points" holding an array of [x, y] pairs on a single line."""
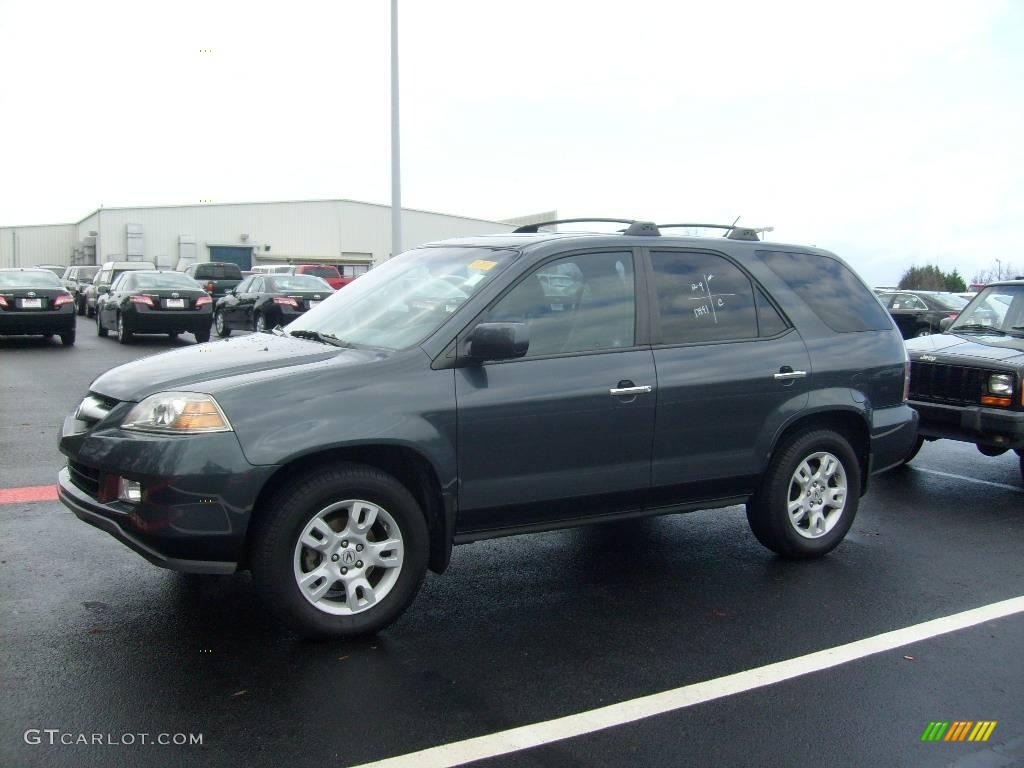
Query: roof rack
{"points": [[732, 231], [647, 228]]}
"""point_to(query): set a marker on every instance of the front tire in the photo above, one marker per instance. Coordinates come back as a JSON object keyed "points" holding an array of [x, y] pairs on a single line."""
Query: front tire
{"points": [[221, 325], [808, 496], [340, 552]]}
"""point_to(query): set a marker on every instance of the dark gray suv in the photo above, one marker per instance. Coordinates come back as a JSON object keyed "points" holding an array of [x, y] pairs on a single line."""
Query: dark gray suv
{"points": [[499, 385]]}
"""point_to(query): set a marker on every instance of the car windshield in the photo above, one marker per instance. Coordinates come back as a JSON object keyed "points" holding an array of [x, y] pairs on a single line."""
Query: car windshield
{"points": [[158, 280], [41, 278], [998, 308], [321, 271], [87, 273], [405, 299], [949, 300], [297, 283]]}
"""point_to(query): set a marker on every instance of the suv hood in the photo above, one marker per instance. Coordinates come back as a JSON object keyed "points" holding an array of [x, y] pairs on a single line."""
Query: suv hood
{"points": [[998, 348], [188, 368]]}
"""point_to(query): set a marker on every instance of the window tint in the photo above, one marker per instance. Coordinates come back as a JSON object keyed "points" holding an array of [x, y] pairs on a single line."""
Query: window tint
{"points": [[243, 286], [702, 297], [590, 306], [836, 295], [769, 321]]}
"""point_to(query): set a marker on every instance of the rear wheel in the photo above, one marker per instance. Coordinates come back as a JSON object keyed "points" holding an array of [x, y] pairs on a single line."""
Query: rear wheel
{"points": [[340, 553], [100, 330], [222, 327], [202, 336], [80, 305], [808, 496], [68, 338], [121, 330], [259, 324]]}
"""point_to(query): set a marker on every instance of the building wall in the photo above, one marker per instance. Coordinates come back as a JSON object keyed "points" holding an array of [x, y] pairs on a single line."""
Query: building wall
{"points": [[295, 231], [44, 244]]}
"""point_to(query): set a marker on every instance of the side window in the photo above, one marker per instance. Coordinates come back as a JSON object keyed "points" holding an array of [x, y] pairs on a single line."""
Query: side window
{"points": [[769, 321], [908, 301], [834, 293], [256, 286], [576, 304], [243, 287], [702, 297]]}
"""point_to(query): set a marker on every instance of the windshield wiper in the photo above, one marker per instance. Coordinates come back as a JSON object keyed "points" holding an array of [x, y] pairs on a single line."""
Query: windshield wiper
{"points": [[978, 327], [323, 338]]}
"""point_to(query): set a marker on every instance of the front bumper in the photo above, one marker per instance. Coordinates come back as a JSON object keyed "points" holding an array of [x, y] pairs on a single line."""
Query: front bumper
{"points": [[893, 434], [198, 493], [45, 321], [994, 427]]}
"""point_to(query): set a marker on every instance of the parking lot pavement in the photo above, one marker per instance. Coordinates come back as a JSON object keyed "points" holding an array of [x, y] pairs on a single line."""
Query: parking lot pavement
{"points": [[93, 639]]}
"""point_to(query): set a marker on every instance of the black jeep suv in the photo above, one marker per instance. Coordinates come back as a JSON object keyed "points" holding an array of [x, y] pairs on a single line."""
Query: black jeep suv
{"points": [[968, 382], [342, 456]]}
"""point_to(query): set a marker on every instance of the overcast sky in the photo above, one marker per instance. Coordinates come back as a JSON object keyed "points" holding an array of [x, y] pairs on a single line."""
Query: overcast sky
{"points": [[890, 132]]}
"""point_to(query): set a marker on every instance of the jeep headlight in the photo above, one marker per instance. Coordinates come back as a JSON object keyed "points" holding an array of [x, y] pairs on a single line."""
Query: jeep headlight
{"points": [[177, 413], [1001, 384]]}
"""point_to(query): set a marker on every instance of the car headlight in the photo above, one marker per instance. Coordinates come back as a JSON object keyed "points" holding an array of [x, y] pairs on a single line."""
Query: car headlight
{"points": [[1001, 384], [177, 413]]}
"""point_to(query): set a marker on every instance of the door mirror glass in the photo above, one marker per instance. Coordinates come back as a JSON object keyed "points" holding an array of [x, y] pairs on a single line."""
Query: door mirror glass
{"points": [[103, 289], [499, 341], [945, 322]]}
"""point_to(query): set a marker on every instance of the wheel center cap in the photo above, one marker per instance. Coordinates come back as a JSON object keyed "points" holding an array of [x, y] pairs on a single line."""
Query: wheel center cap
{"points": [[348, 558]]}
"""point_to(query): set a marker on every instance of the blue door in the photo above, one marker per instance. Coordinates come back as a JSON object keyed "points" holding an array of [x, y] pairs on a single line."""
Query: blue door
{"points": [[242, 256]]}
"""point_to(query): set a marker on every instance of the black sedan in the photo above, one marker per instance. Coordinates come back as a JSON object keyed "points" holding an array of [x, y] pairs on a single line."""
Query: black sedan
{"points": [[919, 313], [261, 302], [33, 301], [154, 301]]}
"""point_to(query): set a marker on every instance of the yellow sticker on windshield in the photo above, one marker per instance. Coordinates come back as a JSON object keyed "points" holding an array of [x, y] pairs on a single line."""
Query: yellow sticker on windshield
{"points": [[482, 264]]}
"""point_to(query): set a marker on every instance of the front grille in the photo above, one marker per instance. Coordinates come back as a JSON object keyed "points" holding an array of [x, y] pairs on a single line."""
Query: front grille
{"points": [[84, 477], [951, 384]]}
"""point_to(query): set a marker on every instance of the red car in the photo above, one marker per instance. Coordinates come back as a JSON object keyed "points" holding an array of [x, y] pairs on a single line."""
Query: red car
{"points": [[327, 272]]}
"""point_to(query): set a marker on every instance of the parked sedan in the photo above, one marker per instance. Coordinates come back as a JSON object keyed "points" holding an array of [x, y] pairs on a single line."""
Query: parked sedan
{"points": [[33, 301], [154, 301], [261, 302], [919, 313]]}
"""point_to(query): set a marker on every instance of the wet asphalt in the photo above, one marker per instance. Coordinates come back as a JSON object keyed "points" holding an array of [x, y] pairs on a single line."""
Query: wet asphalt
{"points": [[95, 640]]}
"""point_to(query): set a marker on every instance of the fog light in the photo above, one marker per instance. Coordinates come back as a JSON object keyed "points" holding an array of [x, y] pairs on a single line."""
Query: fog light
{"points": [[129, 490]]}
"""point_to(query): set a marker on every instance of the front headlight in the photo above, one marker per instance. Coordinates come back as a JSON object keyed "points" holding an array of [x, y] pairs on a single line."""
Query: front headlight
{"points": [[1001, 384], [178, 413]]}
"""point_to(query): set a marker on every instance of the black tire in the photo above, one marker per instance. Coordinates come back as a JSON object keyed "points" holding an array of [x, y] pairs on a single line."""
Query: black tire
{"points": [[124, 334], [767, 510], [202, 336], [913, 452], [280, 522], [68, 338], [100, 330], [256, 320], [89, 311], [221, 324], [80, 306]]}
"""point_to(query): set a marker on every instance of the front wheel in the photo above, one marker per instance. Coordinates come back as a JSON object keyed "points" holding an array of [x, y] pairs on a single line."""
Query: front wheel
{"points": [[808, 497], [222, 327], [341, 552], [100, 330]]}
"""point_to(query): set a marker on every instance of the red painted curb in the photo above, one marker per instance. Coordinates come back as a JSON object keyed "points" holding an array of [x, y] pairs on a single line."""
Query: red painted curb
{"points": [[29, 493]]}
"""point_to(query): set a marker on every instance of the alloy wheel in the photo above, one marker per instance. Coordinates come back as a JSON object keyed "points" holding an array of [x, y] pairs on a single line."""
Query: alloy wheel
{"points": [[817, 495]]}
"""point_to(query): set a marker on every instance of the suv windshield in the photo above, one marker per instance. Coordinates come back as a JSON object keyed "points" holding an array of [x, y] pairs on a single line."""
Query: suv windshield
{"points": [[405, 299], [949, 300], [998, 308]]}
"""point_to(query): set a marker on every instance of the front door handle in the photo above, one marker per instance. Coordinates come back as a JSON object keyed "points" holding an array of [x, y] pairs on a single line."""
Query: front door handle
{"points": [[627, 391], [788, 374]]}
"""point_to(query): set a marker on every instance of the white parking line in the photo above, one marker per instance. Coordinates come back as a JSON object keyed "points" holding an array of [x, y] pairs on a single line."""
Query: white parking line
{"points": [[1004, 486], [537, 734]]}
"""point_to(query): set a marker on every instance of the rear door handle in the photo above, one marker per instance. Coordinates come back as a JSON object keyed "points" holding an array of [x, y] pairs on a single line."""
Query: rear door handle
{"points": [[788, 374], [620, 391]]}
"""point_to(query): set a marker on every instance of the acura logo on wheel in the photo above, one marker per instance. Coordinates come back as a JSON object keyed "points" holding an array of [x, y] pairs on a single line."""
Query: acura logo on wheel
{"points": [[348, 557]]}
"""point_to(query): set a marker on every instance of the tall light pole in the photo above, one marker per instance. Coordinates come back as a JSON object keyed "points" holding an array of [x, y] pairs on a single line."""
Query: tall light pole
{"points": [[396, 166]]}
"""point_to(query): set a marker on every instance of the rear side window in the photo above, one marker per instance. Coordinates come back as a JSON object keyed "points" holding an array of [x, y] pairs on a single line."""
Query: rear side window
{"points": [[702, 297], [218, 272], [835, 294]]}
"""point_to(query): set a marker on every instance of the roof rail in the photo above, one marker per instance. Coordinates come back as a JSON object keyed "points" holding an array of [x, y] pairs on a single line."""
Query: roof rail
{"points": [[647, 228], [732, 231]]}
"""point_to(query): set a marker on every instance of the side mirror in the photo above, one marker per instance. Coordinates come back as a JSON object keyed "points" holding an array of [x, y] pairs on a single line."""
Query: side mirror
{"points": [[103, 289], [945, 322], [499, 341]]}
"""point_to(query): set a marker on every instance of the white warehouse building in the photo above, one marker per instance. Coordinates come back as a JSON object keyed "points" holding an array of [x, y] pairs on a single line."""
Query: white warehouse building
{"points": [[351, 234]]}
